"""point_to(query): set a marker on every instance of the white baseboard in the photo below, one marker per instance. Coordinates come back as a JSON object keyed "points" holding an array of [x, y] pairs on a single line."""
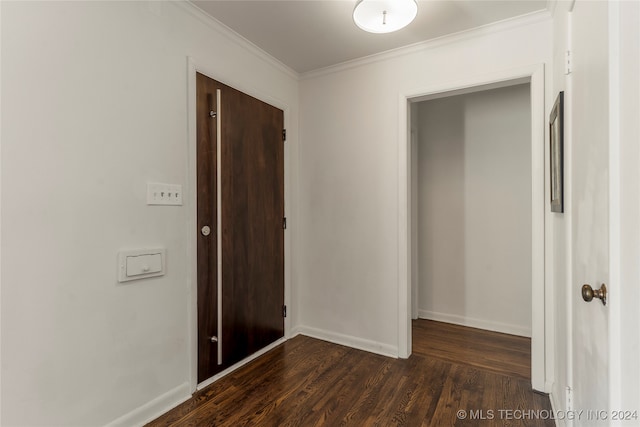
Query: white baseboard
{"points": [[153, 409], [295, 331], [348, 340], [489, 325], [241, 363]]}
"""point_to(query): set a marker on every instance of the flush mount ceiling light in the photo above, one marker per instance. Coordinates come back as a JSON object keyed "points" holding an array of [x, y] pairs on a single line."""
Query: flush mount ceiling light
{"points": [[384, 16]]}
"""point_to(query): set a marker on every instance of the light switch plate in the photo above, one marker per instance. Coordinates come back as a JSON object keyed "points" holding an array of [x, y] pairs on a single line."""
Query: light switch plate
{"points": [[141, 263], [164, 194]]}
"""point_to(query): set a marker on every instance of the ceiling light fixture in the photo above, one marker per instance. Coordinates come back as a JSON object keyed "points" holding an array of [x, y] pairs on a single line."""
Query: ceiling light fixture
{"points": [[384, 16]]}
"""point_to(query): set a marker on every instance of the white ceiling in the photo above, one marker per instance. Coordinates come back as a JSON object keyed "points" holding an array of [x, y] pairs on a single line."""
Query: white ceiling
{"points": [[311, 34]]}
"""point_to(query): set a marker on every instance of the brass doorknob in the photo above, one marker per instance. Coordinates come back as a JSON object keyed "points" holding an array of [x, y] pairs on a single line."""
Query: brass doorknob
{"points": [[588, 293]]}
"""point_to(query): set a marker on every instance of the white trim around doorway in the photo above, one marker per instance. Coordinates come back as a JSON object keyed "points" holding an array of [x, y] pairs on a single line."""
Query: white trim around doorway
{"points": [[541, 294]]}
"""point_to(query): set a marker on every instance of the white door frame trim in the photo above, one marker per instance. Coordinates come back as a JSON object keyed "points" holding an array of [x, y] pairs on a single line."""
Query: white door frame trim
{"points": [[190, 191], [542, 342]]}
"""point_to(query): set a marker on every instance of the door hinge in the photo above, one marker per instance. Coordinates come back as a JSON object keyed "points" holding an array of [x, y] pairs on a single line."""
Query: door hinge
{"points": [[284, 134], [284, 223], [567, 62], [284, 311]]}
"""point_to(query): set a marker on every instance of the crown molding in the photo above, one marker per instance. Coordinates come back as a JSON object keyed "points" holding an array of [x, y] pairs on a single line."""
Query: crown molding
{"points": [[494, 27], [234, 37]]}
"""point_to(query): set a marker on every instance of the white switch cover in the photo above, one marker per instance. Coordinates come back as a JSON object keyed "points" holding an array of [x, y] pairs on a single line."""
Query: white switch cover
{"points": [[141, 263], [138, 265], [164, 194]]}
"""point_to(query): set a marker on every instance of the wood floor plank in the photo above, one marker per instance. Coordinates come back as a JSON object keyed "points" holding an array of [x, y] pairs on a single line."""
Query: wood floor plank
{"points": [[300, 405], [500, 353], [429, 378], [332, 406], [308, 382], [290, 383]]}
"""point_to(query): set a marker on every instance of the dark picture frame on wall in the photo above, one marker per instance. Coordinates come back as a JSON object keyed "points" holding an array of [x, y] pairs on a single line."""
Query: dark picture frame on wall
{"points": [[556, 131]]}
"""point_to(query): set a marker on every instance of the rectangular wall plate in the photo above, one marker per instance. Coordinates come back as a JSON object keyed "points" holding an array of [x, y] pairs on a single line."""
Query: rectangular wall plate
{"points": [[164, 194], [141, 263]]}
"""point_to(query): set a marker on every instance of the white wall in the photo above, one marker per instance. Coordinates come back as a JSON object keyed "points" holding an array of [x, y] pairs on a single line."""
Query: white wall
{"points": [[94, 104], [348, 268], [474, 204]]}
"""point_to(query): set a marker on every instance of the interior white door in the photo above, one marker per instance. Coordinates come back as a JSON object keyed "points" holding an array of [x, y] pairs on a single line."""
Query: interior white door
{"points": [[589, 92]]}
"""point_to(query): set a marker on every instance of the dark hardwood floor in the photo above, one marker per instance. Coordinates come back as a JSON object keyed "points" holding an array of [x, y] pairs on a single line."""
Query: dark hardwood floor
{"points": [[491, 351], [456, 376]]}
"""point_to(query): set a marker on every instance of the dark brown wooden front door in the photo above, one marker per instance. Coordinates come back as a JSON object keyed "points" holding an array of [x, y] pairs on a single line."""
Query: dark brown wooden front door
{"points": [[252, 236]]}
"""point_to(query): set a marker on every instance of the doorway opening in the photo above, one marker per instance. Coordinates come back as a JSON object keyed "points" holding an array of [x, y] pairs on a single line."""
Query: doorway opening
{"points": [[471, 185]]}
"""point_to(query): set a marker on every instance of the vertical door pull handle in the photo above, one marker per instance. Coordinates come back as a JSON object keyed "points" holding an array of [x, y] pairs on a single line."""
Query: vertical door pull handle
{"points": [[219, 113]]}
